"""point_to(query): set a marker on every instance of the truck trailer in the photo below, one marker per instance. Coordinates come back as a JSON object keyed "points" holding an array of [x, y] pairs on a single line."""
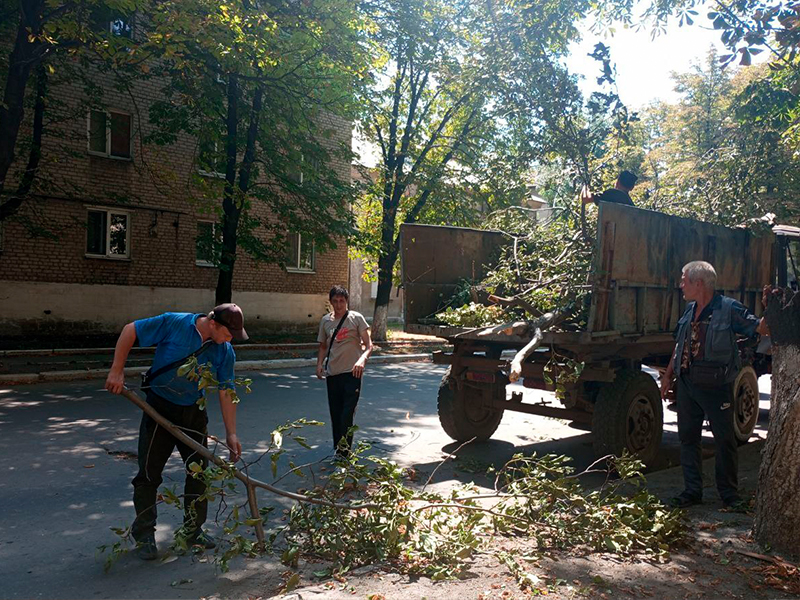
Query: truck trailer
{"points": [[635, 306]]}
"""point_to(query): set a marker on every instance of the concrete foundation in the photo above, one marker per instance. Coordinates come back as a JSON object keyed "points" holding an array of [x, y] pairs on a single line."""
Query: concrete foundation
{"points": [[41, 309]]}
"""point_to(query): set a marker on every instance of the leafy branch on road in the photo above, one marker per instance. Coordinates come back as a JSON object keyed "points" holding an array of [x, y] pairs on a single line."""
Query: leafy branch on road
{"points": [[367, 510]]}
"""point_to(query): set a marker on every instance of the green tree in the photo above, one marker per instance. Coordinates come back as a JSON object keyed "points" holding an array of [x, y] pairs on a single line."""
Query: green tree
{"points": [[255, 83], [469, 96], [43, 35], [718, 153]]}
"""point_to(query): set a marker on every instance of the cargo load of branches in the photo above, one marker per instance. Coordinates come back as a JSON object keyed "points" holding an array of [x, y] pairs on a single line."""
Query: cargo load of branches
{"points": [[541, 281], [544, 269]]}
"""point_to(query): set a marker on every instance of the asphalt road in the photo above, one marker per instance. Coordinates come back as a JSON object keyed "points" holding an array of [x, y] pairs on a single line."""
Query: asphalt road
{"points": [[67, 455]]}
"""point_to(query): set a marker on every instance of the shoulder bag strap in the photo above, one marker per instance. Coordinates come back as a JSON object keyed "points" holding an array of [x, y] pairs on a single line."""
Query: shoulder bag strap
{"points": [[333, 338], [149, 377]]}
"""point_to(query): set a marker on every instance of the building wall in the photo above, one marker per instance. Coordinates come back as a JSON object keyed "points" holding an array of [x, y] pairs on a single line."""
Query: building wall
{"points": [[362, 298], [52, 285]]}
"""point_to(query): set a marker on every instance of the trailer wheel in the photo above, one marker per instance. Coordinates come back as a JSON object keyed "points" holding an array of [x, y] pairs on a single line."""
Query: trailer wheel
{"points": [[628, 416], [462, 415], [745, 404]]}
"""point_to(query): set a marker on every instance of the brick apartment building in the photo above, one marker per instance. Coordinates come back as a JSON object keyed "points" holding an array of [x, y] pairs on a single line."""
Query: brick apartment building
{"points": [[114, 261]]}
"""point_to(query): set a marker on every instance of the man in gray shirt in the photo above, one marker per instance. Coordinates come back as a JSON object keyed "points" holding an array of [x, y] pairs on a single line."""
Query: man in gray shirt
{"points": [[344, 347]]}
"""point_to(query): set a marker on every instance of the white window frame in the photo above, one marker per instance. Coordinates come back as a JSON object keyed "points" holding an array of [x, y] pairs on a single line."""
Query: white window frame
{"points": [[310, 167], [295, 268], [129, 21], [109, 212], [107, 153], [215, 232], [203, 172]]}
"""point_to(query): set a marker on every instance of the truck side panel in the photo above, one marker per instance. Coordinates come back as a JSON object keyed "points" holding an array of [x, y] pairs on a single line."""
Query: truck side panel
{"points": [[638, 263], [435, 259]]}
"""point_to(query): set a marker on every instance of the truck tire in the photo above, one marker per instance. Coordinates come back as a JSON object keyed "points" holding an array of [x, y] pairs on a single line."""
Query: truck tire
{"points": [[745, 404], [461, 414], [628, 415]]}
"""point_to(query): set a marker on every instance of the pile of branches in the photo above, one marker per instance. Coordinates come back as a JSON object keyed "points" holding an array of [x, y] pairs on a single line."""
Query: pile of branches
{"points": [[538, 499], [369, 510], [545, 267], [542, 280]]}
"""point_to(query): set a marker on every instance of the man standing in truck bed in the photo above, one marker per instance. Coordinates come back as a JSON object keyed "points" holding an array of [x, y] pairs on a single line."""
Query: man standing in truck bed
{"points": [[619, 194]]}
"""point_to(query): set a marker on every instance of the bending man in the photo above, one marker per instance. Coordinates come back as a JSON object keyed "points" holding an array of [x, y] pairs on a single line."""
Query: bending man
{"points": [[177, 337]]}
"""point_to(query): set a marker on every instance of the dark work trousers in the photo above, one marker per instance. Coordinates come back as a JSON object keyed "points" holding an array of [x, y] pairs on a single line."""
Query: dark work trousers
{"points": [[343, 392], [155, 447], [695, 404]]}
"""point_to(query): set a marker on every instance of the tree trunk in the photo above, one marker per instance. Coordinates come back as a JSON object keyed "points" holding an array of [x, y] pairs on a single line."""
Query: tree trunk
{"points": [[777, 521], [13, 204], [380, 317], [231, 210], [24, 57]]}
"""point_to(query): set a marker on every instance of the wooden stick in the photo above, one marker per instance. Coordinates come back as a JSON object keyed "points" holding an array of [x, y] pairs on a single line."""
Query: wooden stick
{"points": [[515, 302], [522, 355], [510, 328], [256, 514], [246, 479]]}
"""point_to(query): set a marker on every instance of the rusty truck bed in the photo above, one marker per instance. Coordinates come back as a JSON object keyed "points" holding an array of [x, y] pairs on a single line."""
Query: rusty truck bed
{"points": [[635, 297]]}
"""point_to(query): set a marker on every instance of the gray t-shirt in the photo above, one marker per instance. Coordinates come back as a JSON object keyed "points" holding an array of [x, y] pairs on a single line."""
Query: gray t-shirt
{"points": [[346, 349]]}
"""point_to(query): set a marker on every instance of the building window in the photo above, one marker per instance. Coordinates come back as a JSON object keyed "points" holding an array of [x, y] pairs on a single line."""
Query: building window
{"points": [[107, 233], [209, 235], [300, 253], [121, 26], [211, 159], [110, 134], [304, 170]]}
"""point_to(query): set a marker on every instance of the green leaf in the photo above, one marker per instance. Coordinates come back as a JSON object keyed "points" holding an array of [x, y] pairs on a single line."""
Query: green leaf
{"points": [[291, 583], [290, 556], [183, 370], [274, 463], [302, 441]]}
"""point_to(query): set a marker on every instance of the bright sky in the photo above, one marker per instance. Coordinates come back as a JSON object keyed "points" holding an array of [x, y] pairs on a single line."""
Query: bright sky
{"points": [[644, 64]]}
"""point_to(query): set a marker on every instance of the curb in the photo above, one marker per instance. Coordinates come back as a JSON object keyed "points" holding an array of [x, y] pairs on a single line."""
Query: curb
{"points": [[244, 365], [238, 347]]}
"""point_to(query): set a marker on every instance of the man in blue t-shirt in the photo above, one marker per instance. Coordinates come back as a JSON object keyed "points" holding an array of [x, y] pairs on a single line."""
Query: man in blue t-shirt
{"points": [[177, 336]]}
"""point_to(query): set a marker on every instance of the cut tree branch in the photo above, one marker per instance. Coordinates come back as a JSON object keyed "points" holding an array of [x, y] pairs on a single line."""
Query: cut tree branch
{"points": [[246, 479], [544, 322]]}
